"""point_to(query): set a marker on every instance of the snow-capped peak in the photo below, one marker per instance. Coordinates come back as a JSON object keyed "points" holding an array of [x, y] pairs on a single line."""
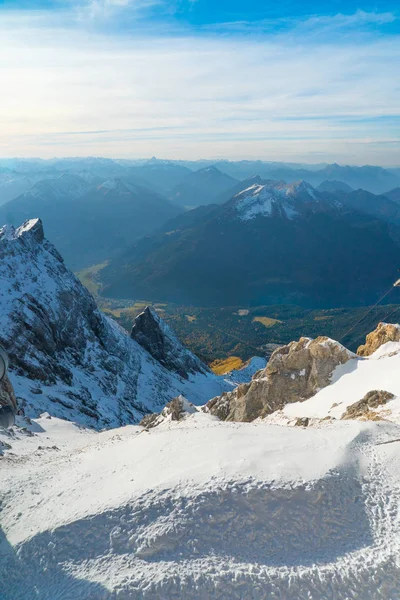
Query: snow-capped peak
{"points": [[32, 226], [266, 198]]}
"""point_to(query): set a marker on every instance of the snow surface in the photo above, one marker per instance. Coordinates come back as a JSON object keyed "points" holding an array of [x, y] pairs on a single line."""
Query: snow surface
{"points": [[201, 509]]}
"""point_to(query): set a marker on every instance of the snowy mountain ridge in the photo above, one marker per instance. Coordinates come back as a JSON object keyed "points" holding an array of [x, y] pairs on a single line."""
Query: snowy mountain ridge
{"points": [[70, 359], [65, 185]]}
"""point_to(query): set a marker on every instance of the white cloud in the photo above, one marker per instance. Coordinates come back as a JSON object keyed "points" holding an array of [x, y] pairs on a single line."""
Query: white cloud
{"points": [[73, 92], [99, 9], [360, 17]]}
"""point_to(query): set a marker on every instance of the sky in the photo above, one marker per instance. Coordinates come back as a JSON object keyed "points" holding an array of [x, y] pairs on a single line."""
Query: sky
{"points": [[285, 80]]}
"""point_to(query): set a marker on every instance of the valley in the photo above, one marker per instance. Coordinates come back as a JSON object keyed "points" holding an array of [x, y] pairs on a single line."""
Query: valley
{"points": [[218, 333]]}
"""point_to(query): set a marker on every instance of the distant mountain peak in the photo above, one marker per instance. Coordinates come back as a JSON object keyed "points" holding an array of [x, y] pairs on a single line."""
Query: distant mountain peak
{"points": [[65, 185], [273, 197], [333, 185], [210, 169], [115, 185]]}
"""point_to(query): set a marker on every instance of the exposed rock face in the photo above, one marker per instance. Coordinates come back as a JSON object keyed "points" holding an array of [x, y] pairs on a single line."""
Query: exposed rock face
{"points": [[159, 340], [176, 410], [371, 400], [7, 396], [294, 373], [385, 332], [8, 403], [68, 358]]}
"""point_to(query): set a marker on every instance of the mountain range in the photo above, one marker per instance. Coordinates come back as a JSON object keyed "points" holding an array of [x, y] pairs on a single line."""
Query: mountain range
{"points": [[95, 209], [271, 243], [163, 176], [89, 224]]}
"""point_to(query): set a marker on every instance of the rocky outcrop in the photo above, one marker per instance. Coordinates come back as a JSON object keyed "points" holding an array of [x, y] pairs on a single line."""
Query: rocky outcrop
{"points": [[363, 409], [294, 373], [385, 332], [160, 341], [8, 403], [7, 396], [176, 410]]}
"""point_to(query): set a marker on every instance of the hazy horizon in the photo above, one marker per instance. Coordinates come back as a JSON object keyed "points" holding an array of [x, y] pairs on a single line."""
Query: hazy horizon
{"points": [[201, 159]]}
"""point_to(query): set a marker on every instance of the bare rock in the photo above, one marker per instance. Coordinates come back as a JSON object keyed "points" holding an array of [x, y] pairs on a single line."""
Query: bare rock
{"points": [[8, 403], [294, 373], [7, 396], [176, 410], [155, 336], [149, 421], [302, 422], [362, 408], [385, 332]]}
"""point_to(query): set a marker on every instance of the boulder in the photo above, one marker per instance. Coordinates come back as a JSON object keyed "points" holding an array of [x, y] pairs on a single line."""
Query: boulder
{"points": [[371, 400], [294, 373], [385, 332], [176, 410]]}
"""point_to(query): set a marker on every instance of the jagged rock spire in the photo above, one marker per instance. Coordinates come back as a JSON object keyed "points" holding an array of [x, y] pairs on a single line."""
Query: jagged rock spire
{"points": [[155, 336]]}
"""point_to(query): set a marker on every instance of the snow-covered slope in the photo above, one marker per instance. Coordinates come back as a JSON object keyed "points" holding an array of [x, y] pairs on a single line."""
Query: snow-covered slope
{"points": [[66, 356], [66, 185], [201, 509], [351, 382], [276, 197]]}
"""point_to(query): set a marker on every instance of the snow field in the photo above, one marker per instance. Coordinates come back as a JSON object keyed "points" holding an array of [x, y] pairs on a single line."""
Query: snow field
{"points": [[201, 510]]}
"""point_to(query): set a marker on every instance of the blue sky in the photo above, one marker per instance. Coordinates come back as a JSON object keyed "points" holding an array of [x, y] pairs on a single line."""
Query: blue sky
{"points": [[280, 80]]}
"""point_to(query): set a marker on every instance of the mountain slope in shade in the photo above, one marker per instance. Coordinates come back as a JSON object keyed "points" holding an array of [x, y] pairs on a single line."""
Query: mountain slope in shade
{"points": [[71, 360], [394, 195], [271, 243], [334, 186], [201, 187], [90, 224], [13, 185], [380, 206]]}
